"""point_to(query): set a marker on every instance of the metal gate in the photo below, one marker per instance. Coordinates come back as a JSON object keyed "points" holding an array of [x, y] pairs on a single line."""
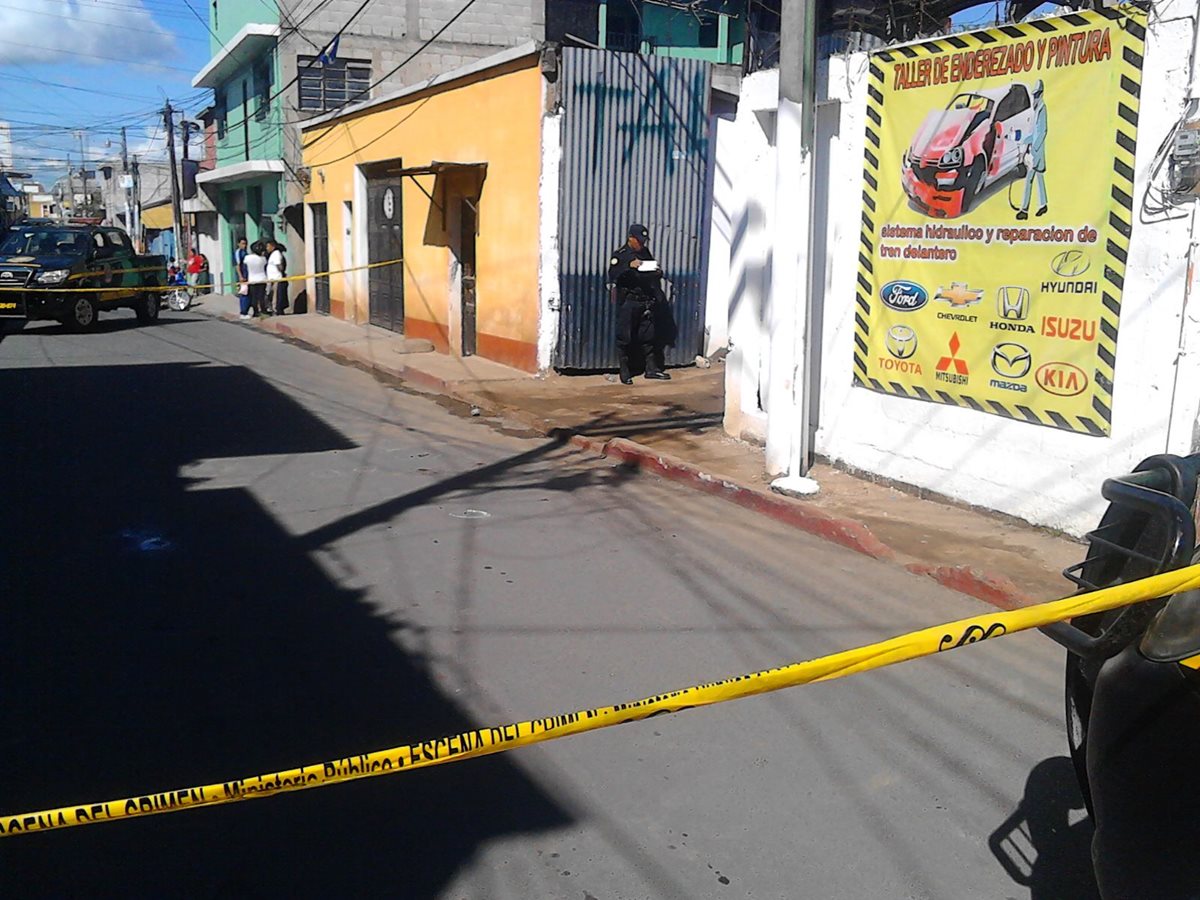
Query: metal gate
{"points": [[385, 241], [320, 241], [635, 149]]}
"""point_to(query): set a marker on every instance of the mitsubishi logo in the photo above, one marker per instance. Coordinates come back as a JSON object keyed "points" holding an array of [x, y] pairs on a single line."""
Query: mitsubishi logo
{"points": [[960, 365], [1012, 303]]}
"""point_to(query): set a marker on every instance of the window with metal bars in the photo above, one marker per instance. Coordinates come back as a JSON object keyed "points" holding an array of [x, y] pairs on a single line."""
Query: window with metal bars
{"points": [[326, 86]]}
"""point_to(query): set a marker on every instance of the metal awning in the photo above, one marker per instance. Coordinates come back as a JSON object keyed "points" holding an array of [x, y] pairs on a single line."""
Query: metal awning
{"points": [[438, 168]]}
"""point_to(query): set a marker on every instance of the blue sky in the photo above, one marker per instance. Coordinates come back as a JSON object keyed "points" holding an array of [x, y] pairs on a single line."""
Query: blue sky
{"points": [[95, 65]]}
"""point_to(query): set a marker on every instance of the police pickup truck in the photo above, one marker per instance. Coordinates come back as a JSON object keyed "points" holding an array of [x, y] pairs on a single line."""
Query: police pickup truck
{"points": [[42, 266]]}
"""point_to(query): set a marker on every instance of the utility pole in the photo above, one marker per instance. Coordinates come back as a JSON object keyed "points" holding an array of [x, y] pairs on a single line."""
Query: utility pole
{"points": [[137, 206], [790, 386], [70, 185], [169, 121], [125, 180], [87, 200]]}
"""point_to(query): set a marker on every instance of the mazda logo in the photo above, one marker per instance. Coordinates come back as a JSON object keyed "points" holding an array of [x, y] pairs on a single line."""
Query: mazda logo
{"points": [[1070, 263], [1011, 360], [901, 341]]}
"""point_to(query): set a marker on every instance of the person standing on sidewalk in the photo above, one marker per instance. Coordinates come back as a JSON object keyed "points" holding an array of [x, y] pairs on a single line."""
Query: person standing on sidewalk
{"points": [[276, 272], [256, 276], [636, 281]]}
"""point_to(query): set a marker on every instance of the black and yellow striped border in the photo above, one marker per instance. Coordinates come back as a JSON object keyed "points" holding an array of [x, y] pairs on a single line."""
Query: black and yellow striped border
{"points": [[1132, 20]]}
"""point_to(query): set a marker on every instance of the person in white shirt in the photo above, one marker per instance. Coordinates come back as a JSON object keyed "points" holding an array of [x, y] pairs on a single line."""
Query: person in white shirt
{"points": [[256, 276], [276, 271]]}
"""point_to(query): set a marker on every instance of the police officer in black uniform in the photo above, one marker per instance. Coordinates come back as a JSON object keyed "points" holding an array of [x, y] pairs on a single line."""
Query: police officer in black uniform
{"points": [[637, 294]]}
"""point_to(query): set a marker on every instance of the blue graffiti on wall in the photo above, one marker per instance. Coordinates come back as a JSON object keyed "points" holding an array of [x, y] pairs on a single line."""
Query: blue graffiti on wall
{"points": [[661, 106]]}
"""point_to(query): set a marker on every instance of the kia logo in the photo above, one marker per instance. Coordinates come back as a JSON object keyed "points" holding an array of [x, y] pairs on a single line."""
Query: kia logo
{"points": [[1070, 263], [904, 296], [1062, 379], [901, 341], [1011, 360]]}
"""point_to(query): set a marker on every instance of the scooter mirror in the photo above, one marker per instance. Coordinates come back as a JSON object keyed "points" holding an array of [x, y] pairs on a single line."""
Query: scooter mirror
{"points": [[1175, 632]]}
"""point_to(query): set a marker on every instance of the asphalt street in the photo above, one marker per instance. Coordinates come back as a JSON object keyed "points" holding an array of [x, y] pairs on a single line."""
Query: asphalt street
{"points": [[222, 554]]}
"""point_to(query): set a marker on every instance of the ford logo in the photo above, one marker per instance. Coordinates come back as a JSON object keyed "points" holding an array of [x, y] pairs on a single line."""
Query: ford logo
{"points": [[904, 296]]}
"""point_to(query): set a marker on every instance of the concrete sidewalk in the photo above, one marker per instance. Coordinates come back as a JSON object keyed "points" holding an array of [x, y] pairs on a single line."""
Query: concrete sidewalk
{"points": [[674, 429]]}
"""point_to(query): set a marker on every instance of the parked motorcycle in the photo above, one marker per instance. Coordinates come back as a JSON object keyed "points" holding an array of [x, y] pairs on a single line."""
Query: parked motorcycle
{"points": [[1133, 689]]}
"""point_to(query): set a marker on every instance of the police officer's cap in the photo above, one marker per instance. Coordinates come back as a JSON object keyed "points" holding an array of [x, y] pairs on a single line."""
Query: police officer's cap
{"points": [[641, 232]]}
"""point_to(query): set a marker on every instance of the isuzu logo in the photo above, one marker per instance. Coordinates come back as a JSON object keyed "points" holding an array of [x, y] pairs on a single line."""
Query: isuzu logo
{"points": [[904, 296]]}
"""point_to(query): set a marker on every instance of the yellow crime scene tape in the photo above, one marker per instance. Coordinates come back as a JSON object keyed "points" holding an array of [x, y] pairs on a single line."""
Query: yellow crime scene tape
{"points": [[168, 288], [485, 741]]}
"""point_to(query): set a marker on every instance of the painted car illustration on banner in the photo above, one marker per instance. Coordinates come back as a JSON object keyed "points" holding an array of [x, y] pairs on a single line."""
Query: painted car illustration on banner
{"points": [[977, 140]]}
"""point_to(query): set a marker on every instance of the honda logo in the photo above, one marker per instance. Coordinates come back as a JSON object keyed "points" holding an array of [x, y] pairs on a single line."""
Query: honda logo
{"points": [[1012, 303]]}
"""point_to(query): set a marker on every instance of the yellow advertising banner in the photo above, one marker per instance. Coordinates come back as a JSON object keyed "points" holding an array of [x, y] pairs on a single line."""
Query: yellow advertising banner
{"points": [[997, 211]]}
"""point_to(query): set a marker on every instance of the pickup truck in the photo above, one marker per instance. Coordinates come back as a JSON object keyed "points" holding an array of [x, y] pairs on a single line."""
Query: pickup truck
{"points": [[42, 263]]}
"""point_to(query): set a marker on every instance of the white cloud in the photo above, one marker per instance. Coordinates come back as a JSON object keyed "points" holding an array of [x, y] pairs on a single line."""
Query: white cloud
{"points": [[81, 32]]}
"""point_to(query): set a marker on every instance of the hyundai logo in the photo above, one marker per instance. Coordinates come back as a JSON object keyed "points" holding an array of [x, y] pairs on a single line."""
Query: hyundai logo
{"points": [[1012, 303], [1011, 360], [903, 296], [1070, 263], [901, 341]]}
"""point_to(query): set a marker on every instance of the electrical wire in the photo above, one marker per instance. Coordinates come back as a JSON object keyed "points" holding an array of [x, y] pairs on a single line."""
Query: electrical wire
{"points": [[90, 55], [299, 70], [393, 71], [98, 24]]}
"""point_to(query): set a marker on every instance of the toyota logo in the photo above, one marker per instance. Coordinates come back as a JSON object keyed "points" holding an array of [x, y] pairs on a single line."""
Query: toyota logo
{"points": [[901, 341], [1070, 263], [1011, 360]]}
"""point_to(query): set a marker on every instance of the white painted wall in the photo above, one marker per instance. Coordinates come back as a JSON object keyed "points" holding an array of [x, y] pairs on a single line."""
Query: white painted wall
{"points": [[1043, 475], [548, 197], [720, 233], [746, 160]]}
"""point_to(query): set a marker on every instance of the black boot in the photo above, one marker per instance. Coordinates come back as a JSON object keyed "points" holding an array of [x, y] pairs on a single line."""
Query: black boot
{"points": [[658, 375], [1022, 215], [1042, 211]]}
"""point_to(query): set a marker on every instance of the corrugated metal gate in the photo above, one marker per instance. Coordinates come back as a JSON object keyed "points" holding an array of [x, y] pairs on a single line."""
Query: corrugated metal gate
{"points": [[635, 149]]}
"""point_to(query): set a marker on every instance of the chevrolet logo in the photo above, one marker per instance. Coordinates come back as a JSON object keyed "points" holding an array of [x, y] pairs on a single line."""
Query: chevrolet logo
{"points": [[1012, 303], [1011, 360], [958, 294], [901, 341]]}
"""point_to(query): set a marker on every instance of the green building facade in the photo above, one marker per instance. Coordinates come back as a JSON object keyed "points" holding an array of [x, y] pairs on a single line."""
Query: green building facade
{"points": [[246, 188]]}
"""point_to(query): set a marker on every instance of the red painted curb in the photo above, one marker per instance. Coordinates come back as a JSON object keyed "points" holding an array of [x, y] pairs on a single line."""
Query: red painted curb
{"points": [[846, 532], [994, 589]]}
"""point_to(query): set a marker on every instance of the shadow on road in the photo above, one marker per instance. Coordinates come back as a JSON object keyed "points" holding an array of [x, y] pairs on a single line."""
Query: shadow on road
{"points": [[1039, 846], [155, 637]]}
